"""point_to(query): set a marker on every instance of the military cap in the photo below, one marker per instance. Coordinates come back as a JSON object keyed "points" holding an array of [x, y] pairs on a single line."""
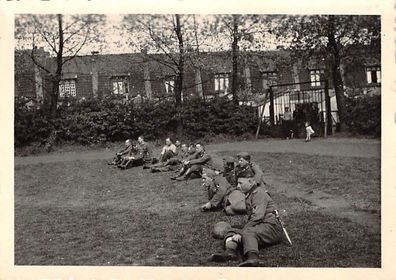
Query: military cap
{"points": [[244, 155], [220, 229]]}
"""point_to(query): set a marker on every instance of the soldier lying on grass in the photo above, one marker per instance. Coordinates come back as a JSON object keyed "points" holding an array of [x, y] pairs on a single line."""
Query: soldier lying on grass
{"points": [[263, 227]]}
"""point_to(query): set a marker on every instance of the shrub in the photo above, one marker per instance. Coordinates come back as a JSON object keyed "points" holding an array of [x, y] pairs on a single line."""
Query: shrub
{"points": [[364, 115], [95, 121]]}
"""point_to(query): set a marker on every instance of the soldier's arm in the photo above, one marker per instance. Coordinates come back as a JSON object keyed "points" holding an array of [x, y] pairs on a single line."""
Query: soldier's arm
{"points": [[139, 153], [123, 151], [259, 206], [192, 157], [126, 151], [201, 160], [222, 187]]}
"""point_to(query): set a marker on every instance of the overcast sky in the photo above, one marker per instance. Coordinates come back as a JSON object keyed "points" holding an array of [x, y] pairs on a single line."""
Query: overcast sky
{"points": [[118, 40]]}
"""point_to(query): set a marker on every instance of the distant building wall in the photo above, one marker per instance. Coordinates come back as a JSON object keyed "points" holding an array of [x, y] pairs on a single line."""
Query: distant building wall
{"points": [[94, 75]]}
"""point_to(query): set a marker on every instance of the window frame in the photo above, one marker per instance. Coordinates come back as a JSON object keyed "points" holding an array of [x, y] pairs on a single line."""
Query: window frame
{"points": [[68, 88], [373, 69], [318, 75], [221, 82], [120, 85], [169, 84]]}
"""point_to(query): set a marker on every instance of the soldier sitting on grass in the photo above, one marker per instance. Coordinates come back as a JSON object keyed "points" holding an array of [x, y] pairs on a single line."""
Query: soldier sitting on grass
{"points": [[193, 165], [168, 151], [174, 162], [219, 190], [144, 152], [125, 151], [263, 227], [132, 158], [139, 155]]}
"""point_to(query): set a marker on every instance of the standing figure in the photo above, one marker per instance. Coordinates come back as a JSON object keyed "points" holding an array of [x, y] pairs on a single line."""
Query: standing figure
{"points": [[309, 131], [287, 123]]}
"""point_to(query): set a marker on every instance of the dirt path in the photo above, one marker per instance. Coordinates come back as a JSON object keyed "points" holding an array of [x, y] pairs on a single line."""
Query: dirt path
{"points": [[332, 147], [328, 204]]}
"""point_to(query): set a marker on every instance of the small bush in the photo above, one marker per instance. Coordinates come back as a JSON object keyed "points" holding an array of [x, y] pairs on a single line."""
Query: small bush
{"points": [[364, 115]]}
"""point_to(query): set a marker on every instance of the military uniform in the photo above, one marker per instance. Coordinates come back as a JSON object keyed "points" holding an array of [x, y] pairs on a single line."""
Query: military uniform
{"points": [[206, 161], [220, 188], [196, 163], [252, 170], [144, 153], [119, 155], [262, 227], [171, 164]]}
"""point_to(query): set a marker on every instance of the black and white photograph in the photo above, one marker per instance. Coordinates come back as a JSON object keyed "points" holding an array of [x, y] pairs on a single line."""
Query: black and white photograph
{"points": [[212, 140]]}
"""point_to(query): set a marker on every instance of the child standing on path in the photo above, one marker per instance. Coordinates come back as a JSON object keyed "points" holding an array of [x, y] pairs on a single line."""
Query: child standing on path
{"points": [[309, 131]]}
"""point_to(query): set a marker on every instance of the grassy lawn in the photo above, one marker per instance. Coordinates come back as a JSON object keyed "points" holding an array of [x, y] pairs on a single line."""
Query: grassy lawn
{"points": [[87, 213]]}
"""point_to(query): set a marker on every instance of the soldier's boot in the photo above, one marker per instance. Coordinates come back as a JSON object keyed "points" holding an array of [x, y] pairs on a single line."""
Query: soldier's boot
{"points": [[155, 169], [251, 260], [182, 178], [178, 174], [227, 255]]}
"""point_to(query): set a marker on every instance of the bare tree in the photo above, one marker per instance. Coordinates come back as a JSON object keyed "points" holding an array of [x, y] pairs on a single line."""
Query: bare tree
{"points": [[62, 36], [167, 39], [240, 30]]}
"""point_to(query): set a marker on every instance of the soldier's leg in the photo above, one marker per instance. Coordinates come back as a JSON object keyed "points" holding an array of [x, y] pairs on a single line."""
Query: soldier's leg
{"points": [[219, 195], [121, 162], [255, 237], [180, 172], [173, 161], [230, 252], [167, 155], [194, 171]]}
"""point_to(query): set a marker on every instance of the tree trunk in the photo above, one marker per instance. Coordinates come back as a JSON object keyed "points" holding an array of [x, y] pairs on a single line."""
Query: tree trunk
{"points": [[58, 73], [260, 120], [179, 77], [235, 56], [336, 73]]}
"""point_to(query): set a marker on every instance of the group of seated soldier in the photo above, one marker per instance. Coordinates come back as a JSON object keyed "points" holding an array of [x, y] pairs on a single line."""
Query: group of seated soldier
{"points": [[133, 154], [233, 185]]}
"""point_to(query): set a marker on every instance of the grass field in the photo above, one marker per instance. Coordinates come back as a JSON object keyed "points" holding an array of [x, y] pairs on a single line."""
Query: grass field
{"points": [[87, 213]]}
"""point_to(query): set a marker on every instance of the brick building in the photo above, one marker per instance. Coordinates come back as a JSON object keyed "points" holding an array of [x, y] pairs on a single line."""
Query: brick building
{"points": [[139, 76]]}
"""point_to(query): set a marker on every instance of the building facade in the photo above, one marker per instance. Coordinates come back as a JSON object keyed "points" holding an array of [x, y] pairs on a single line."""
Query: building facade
{"points": [[142, 76]]}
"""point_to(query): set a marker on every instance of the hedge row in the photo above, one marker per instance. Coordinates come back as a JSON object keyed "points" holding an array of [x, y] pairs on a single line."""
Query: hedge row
{"points": [[364, 115], [101, 120]]}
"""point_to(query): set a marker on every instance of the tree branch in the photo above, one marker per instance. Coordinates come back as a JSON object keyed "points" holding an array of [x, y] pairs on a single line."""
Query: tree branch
{"points": [[77, 51]]}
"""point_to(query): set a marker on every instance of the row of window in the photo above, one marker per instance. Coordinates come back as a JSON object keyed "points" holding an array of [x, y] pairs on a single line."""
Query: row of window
{"points": [[120, 86]]}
